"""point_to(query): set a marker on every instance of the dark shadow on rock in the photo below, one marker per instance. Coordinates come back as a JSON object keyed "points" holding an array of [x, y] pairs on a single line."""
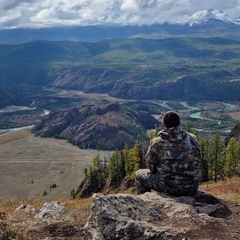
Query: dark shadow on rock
{"points": [[61, 229], [204, 202], [222, 210], [206, 198]]}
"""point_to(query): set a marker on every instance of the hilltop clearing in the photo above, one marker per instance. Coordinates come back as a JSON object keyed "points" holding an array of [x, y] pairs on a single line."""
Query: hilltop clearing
{"points": [[225, 225]]}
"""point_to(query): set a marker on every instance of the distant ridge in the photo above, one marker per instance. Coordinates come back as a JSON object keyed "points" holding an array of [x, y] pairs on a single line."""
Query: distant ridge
{"points": [[183, 68], [211, 16], [217, 22]]}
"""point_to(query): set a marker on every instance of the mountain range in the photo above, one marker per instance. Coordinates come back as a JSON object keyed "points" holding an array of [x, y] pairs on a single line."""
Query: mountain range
{"points": [[172, 69], [206, 23], [168, 61]]}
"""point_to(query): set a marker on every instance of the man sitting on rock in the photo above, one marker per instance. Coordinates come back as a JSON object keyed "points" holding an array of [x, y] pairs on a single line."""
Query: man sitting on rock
{"points": [[173, 159]]}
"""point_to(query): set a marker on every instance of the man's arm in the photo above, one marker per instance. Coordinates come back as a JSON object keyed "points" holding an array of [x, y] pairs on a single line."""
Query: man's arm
{"points": [[151, 159]]}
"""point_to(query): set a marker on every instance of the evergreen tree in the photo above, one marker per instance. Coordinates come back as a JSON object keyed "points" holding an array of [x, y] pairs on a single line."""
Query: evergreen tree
{"points": [[91, 176], [232, 157], [97, 174], [134, 158], [143, 150], [73, 193], [216, 160], [154, 133], [115, 168], [188, 126], [204, 158], [101, 172], [129, 163], [237, 154], [190, 129]]}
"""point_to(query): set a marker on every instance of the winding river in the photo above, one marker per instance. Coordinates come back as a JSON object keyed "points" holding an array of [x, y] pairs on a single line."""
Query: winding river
{"points": [[15, 129], [164, 105], [45, 113], [198, 115]]}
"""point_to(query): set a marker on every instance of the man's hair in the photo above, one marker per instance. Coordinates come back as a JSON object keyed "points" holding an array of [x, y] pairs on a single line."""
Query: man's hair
{"points": [[171, 119]]}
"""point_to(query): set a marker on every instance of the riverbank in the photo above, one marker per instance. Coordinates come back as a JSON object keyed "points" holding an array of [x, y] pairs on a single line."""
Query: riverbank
{"points": [[16, 129], [14, 118]]}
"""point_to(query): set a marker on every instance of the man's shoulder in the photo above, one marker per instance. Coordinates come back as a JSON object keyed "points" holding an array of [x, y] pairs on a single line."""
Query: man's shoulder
{"points": [[192, 135], [193, 139], [158, 141]]}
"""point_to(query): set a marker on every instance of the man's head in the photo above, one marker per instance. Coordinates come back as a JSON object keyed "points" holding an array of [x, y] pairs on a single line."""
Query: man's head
{"points": [[171, 119]]}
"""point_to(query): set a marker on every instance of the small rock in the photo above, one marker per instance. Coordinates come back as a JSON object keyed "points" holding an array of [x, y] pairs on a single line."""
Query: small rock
{"points": [[51, 210], [25, 208]]}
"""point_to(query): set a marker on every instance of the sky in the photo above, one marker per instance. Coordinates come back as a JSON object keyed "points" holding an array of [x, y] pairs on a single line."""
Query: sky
{"points": [[53, 13]]}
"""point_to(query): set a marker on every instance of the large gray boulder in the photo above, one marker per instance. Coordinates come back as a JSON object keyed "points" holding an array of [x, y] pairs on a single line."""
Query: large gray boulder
{"points": [[151, 216]]}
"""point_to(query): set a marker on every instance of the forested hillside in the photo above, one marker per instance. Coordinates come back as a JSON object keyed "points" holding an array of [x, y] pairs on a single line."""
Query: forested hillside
{"points": [[8, 97], [177, 68]]}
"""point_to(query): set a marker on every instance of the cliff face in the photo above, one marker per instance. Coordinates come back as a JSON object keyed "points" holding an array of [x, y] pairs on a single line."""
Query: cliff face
{"points": [[110, 127]]}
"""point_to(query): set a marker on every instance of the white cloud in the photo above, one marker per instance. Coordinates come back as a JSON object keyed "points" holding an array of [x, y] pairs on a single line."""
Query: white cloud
{"points": [[45, 13]]}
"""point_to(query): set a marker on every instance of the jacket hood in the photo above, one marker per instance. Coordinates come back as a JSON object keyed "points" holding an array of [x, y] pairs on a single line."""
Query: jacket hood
{"points": [[173, 134]]}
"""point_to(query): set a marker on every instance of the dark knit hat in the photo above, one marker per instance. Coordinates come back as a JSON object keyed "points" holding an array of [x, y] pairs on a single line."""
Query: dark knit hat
{"points": [[171, 119]]}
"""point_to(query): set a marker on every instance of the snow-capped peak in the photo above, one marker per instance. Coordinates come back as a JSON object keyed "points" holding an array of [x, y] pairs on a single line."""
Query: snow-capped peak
{"points": [[212, 15]]}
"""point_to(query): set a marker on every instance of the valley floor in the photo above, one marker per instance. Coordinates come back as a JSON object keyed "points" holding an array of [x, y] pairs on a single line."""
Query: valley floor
{"points": [[29, 165]]}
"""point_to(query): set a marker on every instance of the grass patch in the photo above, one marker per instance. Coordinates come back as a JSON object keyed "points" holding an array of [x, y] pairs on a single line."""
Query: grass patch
{"points": [[79, 210], [228, 190], [14, 136]]}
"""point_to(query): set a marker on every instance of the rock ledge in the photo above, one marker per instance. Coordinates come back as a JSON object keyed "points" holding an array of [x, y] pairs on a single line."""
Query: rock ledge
{"points": [[152, 216]]}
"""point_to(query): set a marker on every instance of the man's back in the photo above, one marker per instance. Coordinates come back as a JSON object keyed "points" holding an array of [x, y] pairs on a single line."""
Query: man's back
{"points": [[173, 160], [175, 157]]}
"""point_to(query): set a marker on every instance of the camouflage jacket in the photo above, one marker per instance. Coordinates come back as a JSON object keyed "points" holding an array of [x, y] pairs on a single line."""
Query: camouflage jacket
{"points": [[175, 156]]}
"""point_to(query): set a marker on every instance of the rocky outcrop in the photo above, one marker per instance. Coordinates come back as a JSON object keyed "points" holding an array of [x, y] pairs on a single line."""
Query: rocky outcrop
{"points": [[107, 127], [235, 132], [155, 216]]}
